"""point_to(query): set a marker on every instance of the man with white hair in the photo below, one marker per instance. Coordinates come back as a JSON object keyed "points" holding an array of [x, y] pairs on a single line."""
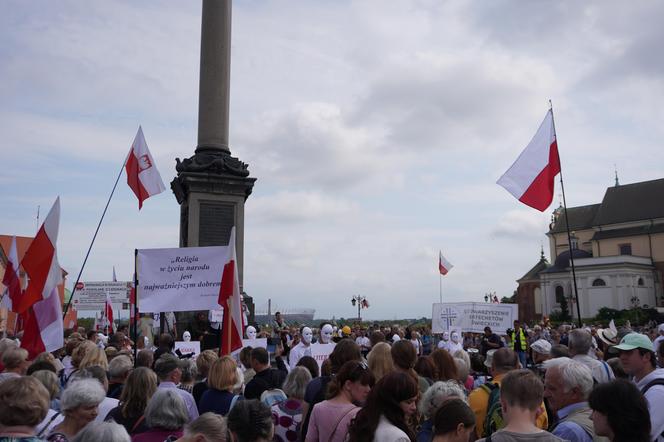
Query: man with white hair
{"points": [[580, 343], [567, 384]]}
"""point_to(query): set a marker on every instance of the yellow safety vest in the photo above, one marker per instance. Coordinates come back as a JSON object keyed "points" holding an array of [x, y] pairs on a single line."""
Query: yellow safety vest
{"points": [[522, 337]]}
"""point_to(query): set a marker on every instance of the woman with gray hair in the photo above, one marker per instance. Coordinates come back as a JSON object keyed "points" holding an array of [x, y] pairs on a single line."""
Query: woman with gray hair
{"points": [[79, 404], [208, 427], [431, 401], [166, 415], [189, 373], [103, 431], [289, 411]]}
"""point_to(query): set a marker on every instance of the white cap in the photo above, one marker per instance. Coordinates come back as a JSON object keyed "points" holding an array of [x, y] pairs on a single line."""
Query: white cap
{"points": [[541, 346]]}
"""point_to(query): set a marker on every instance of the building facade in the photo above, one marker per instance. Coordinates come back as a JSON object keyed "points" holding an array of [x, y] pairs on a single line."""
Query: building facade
{"points": [[618, 252]]}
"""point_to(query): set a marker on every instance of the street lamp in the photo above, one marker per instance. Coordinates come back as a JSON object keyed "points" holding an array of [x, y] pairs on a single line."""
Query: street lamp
{"points": [[361, 302]]}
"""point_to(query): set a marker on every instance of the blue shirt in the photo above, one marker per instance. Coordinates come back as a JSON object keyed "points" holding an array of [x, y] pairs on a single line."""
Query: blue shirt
{"points": [[569, 430], [216, 401]]}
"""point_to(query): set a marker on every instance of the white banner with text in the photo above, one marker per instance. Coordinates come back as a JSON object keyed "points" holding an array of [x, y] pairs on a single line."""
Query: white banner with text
{"points": [[181, 279], [473, 317]]}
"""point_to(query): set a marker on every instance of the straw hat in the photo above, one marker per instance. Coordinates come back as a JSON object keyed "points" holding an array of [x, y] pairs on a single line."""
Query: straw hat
{"points": [[609, 335]]}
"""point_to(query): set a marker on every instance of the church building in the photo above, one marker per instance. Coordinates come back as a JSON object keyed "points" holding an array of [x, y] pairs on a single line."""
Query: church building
{"points": [[618, 251]]}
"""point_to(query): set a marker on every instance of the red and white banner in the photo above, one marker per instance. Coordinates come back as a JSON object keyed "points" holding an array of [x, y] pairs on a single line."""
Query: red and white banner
{"points": [[40, 262], [43, 326], [231, 300], [142, 174], [11, 279], [531, 178], [444, 265]]}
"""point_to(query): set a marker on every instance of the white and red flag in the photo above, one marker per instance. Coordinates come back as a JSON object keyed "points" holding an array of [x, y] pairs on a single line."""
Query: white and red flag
{"points": [[43, 327], [40, 262], [142, 174], [231, 300], [444, 265], [108, 313], [11, 279], [530, 178]]}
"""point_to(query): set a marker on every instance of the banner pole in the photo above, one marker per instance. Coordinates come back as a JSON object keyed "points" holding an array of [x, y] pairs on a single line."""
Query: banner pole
{"points": [[78, 278], [135, 307]]}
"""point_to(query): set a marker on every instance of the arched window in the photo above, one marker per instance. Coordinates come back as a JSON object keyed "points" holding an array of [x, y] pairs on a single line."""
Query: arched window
{"points": [[560, 294], [599, 282], [640, 283]]}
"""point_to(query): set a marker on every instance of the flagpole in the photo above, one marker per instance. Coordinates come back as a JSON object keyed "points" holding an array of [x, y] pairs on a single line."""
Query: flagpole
{"points": [[440, 294], [135, 306], [78, 278], [569, 234]]}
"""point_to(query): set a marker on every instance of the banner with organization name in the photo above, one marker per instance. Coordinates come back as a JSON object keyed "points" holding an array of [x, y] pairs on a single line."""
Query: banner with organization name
{"points": [[473, 317], [179, 279], [320, 352], [91, 295]]}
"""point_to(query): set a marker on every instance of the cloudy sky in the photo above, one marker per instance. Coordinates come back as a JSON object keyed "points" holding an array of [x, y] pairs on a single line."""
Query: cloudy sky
{"points": [[376, 130]]}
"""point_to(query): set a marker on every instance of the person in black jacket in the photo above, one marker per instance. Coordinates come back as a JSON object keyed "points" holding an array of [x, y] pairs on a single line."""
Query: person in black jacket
{"points": [[266, 378]]}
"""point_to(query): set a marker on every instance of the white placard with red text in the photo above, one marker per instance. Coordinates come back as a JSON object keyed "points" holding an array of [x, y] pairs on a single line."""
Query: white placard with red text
{"points": [[320, 352], [188, 347]]}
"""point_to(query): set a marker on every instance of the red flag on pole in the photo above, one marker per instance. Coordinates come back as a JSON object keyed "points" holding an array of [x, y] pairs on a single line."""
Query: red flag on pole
{"points": [[108, 313], [11, 279], [444, 265], [142, 174], [40, 262], [230, 299], [530, 178], [43, 326]]}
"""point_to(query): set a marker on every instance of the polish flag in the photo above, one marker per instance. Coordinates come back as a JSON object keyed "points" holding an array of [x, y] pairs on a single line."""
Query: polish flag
{"points": [[11, 279], [530, 178], [40, 262], [142, 174], [230, 299], [43, 326], [444, 265], [108, 313]]}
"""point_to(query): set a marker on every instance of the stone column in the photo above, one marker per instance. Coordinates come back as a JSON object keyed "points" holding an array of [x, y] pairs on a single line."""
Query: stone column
{"points": [[212, 186]]}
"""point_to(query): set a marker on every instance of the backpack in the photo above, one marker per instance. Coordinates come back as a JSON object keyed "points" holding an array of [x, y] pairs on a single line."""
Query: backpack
{"points": [[494, 411]]}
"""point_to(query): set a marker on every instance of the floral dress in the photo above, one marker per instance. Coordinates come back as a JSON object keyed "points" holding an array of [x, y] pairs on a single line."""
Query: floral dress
{"points": [[287, 418]]}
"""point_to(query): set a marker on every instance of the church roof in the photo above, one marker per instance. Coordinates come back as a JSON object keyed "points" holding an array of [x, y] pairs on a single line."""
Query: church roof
{"points": [[630, 231], [580, 218], [632, 202], [562, 261], [534, 272], [621, 204]]}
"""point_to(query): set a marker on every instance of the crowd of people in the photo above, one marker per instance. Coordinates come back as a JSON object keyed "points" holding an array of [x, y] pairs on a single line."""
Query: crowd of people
{"points": [[388, 384]]}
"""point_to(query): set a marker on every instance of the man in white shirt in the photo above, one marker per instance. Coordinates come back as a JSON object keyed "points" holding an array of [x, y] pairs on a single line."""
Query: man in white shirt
{"points": [[363, 341], [660, 337]]}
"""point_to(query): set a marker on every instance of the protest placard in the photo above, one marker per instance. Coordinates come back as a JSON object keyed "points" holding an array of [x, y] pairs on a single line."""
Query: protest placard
{"points": [[180, 279], [473, 316], [91, 295], [188, 347], [255, 343], [320, 352]]}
